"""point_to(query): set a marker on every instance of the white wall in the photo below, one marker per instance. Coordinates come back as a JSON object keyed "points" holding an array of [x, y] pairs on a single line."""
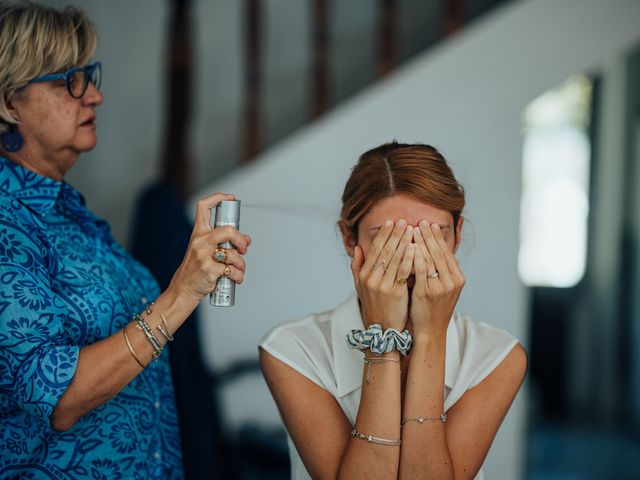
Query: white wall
{"points": [[466, 98]]}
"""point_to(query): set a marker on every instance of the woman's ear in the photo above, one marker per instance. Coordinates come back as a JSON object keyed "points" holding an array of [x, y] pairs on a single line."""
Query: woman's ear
{"points": [[347, 240], [458, 233], [11, 101]]}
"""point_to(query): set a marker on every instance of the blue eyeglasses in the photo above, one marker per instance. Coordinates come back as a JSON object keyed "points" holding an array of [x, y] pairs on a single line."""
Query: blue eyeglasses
{"points": [[76, 78]]}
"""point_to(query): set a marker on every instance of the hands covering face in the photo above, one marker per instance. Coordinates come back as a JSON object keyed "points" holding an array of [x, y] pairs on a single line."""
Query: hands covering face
{"points": [[381, 278]]}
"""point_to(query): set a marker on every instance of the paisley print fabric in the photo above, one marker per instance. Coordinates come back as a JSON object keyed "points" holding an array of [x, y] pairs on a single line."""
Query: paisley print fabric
{"points": [[66, 283]]}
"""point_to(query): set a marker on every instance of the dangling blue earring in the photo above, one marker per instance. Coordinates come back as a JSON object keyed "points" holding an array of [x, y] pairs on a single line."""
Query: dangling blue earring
{"points": [[11, 140]]}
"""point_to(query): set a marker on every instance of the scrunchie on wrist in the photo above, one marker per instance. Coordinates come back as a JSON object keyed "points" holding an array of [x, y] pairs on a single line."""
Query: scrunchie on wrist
{"points": [[379, 342]]}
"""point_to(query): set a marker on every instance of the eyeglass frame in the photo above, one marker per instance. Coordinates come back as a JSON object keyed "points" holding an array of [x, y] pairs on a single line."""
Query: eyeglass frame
{"points": [[66, 76]]}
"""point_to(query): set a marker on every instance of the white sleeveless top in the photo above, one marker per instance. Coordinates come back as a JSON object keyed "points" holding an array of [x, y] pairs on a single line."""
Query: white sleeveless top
{"points": [[316, 348]]}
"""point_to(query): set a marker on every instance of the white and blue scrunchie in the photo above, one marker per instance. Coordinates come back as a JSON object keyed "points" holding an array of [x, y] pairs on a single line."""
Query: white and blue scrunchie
{"points": [[379, 342]]}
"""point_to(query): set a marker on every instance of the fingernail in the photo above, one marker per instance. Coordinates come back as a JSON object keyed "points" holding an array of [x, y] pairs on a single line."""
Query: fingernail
{"points": [[409, 229], [388, 223], [424, 225], [435, 226], [402, 223]]}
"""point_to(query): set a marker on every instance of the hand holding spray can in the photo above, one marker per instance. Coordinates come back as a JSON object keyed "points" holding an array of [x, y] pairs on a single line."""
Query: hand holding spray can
{"points": [[227, 212]]}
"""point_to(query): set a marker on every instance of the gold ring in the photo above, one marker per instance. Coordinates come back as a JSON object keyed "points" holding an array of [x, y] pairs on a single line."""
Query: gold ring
{"points": [[219, 254], [227, 271], [402, 281]]}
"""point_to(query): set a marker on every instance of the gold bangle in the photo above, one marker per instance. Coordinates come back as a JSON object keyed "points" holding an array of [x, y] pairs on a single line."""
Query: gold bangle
{"points": [[126, 339]]}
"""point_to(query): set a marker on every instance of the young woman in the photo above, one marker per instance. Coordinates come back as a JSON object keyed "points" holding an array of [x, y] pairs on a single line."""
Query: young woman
{"points": [[392, 383]]}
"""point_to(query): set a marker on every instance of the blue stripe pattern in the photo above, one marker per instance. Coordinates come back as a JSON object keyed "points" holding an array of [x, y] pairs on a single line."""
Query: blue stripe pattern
{"points": [[379, 342]]}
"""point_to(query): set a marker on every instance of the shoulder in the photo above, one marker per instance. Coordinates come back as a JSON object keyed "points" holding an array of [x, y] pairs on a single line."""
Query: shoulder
{"points": [[303, 345], [14, 216], [23, 239]]}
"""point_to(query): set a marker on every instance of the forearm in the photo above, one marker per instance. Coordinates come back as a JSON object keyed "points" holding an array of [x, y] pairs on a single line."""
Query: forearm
{"points": [[107, 366], [425, 453], [378, 415]]}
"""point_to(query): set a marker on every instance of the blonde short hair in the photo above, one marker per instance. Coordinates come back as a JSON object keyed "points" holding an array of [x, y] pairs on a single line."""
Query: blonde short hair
{"points": [[36, 40]]}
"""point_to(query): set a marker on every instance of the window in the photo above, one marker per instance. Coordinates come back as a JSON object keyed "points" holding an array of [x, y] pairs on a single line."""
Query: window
{"points": [[555, 186]]}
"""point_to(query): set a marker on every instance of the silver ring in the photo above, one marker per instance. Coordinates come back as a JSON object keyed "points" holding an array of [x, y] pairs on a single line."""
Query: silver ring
{"points": [[433, 275]]}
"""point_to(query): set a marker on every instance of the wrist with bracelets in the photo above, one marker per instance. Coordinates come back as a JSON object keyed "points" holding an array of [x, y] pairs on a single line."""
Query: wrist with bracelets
{"points": [[144, 327]]}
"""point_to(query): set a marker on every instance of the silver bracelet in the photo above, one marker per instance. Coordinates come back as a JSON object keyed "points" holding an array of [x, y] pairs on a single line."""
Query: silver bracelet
{"points": [[165, 333], [442, 419], [144, 326], [378, 440]]}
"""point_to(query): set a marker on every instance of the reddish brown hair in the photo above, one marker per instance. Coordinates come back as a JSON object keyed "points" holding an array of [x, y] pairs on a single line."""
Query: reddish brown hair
{"points": [[393, 168]]}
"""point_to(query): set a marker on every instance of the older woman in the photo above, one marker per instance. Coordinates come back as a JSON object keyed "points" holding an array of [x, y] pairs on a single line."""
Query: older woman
{"points": [[392, 383], [85, 391]]}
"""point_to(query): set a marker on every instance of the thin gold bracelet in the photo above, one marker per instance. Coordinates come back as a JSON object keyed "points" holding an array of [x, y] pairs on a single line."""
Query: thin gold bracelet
{"points": [[442, 419], [369, 362], [126, 339]]}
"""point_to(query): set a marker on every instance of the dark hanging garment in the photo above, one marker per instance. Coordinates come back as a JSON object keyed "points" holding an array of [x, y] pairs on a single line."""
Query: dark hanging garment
{"points": [[161, 233]]}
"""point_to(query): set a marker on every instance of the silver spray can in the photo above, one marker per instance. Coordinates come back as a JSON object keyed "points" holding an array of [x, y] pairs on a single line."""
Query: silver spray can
{"points": [[227, 212]]}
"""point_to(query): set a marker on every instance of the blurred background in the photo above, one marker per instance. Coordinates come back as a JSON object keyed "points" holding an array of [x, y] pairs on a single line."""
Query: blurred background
{"points": [[536, 105]]}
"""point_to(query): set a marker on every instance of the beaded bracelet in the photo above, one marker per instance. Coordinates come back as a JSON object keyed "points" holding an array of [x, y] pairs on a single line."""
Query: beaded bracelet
{"points": [[144, 326], [378, 342], [372, 439]]}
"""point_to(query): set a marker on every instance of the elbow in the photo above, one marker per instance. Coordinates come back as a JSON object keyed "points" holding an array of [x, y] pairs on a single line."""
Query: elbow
{"points": [[61, 422]]}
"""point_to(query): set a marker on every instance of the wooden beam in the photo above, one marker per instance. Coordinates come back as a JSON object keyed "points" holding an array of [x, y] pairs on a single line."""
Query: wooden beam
{"points": [[387, 38], [176, 161], [320, 79], [452, 16], [253, 128]]}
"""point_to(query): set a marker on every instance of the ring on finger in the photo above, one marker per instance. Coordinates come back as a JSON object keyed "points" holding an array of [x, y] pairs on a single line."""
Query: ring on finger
{"points": [[227, 271], [220, 254], [435, 274], [402, 281]]}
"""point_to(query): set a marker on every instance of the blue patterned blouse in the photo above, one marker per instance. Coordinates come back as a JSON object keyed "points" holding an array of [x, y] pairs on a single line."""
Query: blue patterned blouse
{"points": [[66, 283]]}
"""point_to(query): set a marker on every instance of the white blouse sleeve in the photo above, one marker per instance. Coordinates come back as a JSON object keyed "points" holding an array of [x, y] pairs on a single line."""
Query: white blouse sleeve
{"points": [[303, 346], [484, 348]]}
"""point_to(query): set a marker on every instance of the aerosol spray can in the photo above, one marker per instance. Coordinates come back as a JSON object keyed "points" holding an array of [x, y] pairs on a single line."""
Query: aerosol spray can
{"points": [[227, 213]]}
